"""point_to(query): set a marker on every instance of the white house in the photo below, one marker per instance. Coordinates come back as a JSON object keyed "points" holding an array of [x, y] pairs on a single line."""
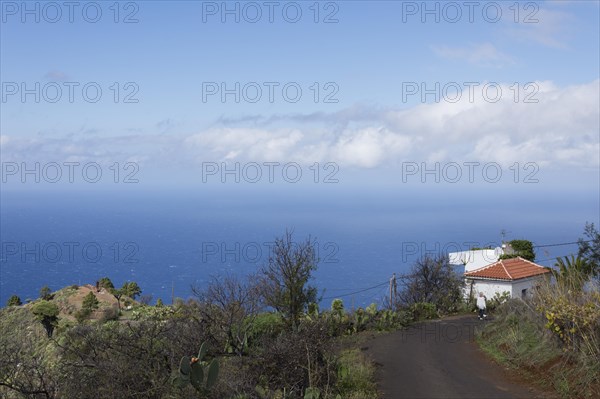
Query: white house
{"points": [[516, 276]]}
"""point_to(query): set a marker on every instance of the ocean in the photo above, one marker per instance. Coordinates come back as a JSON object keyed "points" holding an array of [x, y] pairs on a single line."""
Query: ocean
{"points": [[172, 239]]}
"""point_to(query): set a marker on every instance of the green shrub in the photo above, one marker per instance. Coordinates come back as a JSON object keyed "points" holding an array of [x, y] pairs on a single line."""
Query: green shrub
{"points": [[47, 313], [355, 376], [14, 301], [294, 360], [424, 311], [387, 320], [45, 293], [198, 372], [337, 306], [90, 302], [109, 314], [267, 325], [82, 315], [105, 283], [522, 248], [497, 300], [518, 337]]}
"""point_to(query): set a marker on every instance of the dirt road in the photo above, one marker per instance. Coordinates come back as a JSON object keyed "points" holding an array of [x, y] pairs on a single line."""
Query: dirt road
{"points": [[440, 359]]}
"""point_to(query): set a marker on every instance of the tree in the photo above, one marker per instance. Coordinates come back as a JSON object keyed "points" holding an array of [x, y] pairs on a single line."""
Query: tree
{"points": [[47, 313], [117, 294], [229, 306], [14, 301], [105, 283], [45, 293], [159, 303], [25, 368], [572, 271], [589, 248], [284, 279], [522, 248], [90, 302], [432, 280], [103, 360], [131, 289]]}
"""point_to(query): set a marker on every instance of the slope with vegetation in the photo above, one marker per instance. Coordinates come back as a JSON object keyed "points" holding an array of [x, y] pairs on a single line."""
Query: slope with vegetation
{"points": [[259, 337], [554, 336]]}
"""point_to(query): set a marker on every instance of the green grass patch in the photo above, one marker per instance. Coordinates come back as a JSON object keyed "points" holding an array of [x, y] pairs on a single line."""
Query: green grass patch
{"points": [[356, 376]]}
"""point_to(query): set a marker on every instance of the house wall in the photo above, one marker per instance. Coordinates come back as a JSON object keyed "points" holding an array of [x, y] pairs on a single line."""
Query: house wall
{"points": [[488, 287], [491, 287], [528, 284]]}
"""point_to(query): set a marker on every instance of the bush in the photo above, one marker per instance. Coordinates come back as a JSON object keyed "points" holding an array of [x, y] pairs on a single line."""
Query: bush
{"points": [[296, 360], [555, 335], [82, 315], [45, 293], [90, 302], [26, 361], [573, 316], [108, 314], [14, 301], [432, 280], [47, 313], [266, 325], [522, 248], [497, 300], [517, 336], [424, 311], [105, 283], [338, 322]]}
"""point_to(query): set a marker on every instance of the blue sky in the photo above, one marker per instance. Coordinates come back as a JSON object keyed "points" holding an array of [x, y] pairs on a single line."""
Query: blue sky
{"points": [[365, 62]]}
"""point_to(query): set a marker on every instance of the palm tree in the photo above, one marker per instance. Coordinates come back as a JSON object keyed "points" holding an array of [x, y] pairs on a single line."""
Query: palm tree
{"points": [[572, 270]]}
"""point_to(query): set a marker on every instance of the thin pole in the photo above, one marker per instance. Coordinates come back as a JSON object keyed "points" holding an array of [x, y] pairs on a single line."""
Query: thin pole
{"points": [[172, 292], [395, 291], [392, 290]]}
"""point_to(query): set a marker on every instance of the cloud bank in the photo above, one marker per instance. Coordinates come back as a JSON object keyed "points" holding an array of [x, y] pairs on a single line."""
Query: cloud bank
{"points": [[559, 129]]}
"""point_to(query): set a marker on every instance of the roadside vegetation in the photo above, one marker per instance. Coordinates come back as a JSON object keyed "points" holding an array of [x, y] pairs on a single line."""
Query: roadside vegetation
{"points": [[554, 337]]}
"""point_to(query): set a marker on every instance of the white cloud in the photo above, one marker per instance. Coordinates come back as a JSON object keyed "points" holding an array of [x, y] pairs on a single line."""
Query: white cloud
{"points": [[56, 75], [560, 130], [541, 25], [369, 147], [247, 143], [482, 54]]}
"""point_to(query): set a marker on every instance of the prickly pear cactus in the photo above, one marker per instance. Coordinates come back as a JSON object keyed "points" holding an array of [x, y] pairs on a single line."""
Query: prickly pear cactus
{"points": [[201, 374], [312, 393]]}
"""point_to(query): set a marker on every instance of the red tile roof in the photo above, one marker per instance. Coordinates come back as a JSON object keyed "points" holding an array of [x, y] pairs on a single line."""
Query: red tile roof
{"points": [[509, 269]]}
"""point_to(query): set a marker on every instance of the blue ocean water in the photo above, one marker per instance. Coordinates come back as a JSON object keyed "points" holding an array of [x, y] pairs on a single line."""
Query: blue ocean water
{"points": [[165, 240]]}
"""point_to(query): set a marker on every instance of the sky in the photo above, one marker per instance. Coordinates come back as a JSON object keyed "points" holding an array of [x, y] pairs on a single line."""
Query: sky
{"points": [[164, 93]]}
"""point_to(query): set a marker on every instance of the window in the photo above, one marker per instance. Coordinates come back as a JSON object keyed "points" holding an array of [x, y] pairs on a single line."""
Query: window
{"points": [[524, 293]]}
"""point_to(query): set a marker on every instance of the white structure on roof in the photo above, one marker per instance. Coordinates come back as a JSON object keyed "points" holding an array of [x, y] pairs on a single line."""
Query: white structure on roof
{"points": [[472, 260]]}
